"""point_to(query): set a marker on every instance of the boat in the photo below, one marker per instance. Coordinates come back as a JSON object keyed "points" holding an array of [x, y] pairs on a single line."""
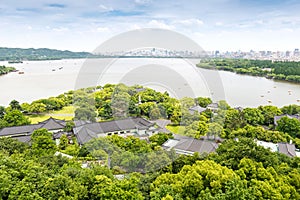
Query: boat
{"points": [[261, 95], [269, 101], [60, 68], [15, 61], [21, 73], [53, 70]]}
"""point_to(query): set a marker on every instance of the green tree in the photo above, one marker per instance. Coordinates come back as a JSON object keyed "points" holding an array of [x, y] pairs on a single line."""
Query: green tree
{"points": [[63, 142], [14, 104], [42, 143], [253, 116], [69, 126], [37, 107], [2, 112], [203, 101], [16, 118], [269, 112], [289, 125], [85, 113], [12, 145]]}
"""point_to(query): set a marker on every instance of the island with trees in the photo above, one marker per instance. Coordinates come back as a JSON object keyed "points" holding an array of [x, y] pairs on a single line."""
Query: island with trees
{"points": [[5, 69], [118, 167], [19, 54], [278, 70]]}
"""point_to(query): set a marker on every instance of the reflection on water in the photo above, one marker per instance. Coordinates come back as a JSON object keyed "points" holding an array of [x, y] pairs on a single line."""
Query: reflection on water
{"points": [[42, 79]]}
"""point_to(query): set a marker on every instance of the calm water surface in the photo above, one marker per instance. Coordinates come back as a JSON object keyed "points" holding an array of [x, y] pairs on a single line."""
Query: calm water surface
{"points": [[43, 79]]}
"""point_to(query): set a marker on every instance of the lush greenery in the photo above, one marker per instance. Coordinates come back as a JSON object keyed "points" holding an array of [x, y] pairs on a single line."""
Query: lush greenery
{"points": [[239, 170], [115, 167], [5, 70], [280, 70], [17, 54]]}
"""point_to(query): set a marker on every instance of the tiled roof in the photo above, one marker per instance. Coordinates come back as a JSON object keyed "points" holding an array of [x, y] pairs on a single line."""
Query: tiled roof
{"points": [[191, 145], [87, 131], [197, 108], [276, 118], [287, 149], [52, 124], [49, 124]]}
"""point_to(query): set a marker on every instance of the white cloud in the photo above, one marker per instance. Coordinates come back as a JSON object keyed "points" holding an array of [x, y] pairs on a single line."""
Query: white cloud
{"points": [[219, 23], [102, 29], [105, 8], [60, 29], [190, 22], [159, 24]]}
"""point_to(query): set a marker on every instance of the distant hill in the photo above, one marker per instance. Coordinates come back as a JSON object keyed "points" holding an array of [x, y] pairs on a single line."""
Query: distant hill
{"points": [[17, 54]]}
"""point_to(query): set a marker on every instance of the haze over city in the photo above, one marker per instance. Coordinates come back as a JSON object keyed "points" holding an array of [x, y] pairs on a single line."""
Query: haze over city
{"points": [[225, 25]]}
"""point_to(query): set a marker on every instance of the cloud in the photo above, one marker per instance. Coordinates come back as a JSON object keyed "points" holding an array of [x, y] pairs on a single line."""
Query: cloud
{"points": [[105, 8], [190, 22], [60, 29], [56, 5], [102, 29], [159, 24]]}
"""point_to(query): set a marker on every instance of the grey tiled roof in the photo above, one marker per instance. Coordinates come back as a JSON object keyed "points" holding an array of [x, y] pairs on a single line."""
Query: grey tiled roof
{"points": [[49, 124], [194, 145], [191, 145], [197, 108], [287, 149], [87, 131], [276, 118]]}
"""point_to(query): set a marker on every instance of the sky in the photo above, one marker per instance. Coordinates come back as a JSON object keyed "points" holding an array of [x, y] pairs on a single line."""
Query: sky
{"points": [[82, 25]]}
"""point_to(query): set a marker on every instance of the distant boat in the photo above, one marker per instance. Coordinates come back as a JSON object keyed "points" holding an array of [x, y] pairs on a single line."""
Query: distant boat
{"points": [[261, 95], [269, 101], [15, 61], [21, 72], [53, 70], [60, 68], [269, 91], [298, 100]]}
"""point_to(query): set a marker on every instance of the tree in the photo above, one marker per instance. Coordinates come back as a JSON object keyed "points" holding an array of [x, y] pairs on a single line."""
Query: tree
{"points": [[12, 145], [85, 113], [69, 126], [160, 138], [291, 109], [269, 112], [42, 143], [289, 125], [37, 107], [63, 142], [196, 129], [253, 116], [231, 152], [215, 129], [2, 112], [233, 119], [223, 105], [14, 104], [203, 101], [16, 118]]}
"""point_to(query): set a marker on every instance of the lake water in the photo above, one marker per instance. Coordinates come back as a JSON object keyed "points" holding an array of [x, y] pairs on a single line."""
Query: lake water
{"points": [[42, 79]]}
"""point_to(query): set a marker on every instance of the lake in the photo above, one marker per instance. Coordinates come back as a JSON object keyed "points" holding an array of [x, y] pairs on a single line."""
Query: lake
{"points": [[42, 79]]}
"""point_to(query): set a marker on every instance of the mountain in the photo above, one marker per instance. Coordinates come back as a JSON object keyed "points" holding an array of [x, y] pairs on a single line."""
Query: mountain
{"points": [[16, 54]]}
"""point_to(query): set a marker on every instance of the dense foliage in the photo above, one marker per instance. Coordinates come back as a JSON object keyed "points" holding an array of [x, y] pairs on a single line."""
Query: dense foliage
{"points": [[281, 70], [38, 54], [239, 170], [115, 167], [5, 70]]}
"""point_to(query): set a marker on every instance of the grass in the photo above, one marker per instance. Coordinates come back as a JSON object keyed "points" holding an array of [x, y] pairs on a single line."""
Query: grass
{"points": [[176, 129], [67, 113]]}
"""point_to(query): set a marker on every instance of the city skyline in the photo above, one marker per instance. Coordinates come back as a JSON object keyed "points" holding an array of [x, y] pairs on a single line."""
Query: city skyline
{"points": [[225, 25]]}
